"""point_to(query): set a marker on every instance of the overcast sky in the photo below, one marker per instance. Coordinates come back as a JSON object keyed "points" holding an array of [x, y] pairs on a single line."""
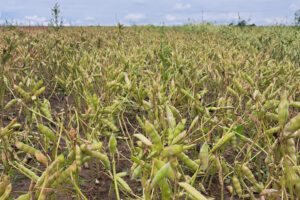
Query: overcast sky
{"points": [[157, 12]]}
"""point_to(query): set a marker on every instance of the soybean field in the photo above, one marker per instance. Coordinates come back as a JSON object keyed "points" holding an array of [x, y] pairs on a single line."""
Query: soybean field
{"points": [[144, 112]]}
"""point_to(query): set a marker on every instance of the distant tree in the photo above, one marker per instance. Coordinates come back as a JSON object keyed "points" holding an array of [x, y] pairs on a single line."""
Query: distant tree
{"points": [[9, 25], [297, 18], [56, 20], [231, 24], [242, 23]]}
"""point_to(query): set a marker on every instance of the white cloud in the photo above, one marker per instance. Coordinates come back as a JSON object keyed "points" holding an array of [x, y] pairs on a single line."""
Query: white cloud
{"points": [[170, 17], [77, 22], [134, 16], [34, 20], [139, 1], [180, 6], [89, 18], [275, 20], [294, 6], [220, 16]]}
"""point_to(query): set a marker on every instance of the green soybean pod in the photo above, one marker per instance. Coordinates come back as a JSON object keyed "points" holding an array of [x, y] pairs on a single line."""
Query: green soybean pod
{"points": [[46, 110], [96, 146], [39, 91], [195, 120], [112, 144], [297, 189], [159, 164], [51, 169], [293, 125], [122, 174], [192, 191], [239, 86], [110, 124], [6, 193], [166, 190], [267, 90], [186, 93], [64, 175], [291, 149], [204, 156], [71, 156], [178, 129], [38, 85], [156, 139], [227, 137], [234, 93], [27, 172], [189, 162], [179, 137], [78, 156], [22, 92], [237, 186], [170, 118], [283, 109], [295, 104], [24, 197], [143, 139], [175, 112], [3, 184], [102, 157], [161, 173], [53, 177], [200, 82], [91, 147], [10, 104], [26, 148], [140, 121], [47, 132], [247, 172], [249, 80], [136, 172], [5, 130], [234, 142], [272, 116], [273, 130], [123, 184], [230, 189], [85, 158], [173, 150], [147, 104]]}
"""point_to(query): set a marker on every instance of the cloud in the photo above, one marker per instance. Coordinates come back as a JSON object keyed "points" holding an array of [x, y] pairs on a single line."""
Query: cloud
{"points": [[150, 12], [34, 20], [220, 16], [170, 17], [134, 16], [275, 20], [139, 1], [180, 6], [77, 22], [89, 18], [294, 6]]}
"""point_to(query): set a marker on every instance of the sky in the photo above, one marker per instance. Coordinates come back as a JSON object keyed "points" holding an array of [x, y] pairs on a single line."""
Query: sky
{"points": [[143, 12]]}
